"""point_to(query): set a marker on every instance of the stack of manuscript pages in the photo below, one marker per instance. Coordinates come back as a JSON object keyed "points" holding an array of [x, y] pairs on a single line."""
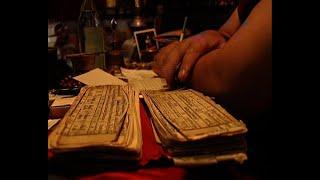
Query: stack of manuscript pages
{"points": [[101, 127], [194, 129]]}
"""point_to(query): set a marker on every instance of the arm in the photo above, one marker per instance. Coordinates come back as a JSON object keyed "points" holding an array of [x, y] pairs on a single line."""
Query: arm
{"points": [[231, 25], [190, 49], [240, 73]]}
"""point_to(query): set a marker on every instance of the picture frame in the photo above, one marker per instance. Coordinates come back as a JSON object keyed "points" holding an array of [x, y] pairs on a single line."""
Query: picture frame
{"points": [[145, 40]]}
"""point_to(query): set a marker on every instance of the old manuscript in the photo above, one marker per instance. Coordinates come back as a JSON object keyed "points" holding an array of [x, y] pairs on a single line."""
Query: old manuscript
{"points": [[101, 118], [188, 122]]}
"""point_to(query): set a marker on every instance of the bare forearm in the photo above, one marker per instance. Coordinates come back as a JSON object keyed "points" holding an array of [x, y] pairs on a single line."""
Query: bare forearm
{"points": [[240, 72], [208, 75], [244, 89]]}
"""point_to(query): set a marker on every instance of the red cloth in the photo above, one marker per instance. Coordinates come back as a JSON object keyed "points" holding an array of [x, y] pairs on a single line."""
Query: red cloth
{"points": [[150, 151], [174, 173]]}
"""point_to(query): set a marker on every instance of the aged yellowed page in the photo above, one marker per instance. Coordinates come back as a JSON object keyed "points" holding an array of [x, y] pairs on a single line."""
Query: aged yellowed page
{"points": [[52, 122], [101, 117], [193, 115], [149, 84], [138, 73]]}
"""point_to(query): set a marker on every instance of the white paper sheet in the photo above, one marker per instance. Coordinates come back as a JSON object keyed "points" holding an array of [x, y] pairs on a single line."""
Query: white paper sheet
{"points": [[99, 77]]}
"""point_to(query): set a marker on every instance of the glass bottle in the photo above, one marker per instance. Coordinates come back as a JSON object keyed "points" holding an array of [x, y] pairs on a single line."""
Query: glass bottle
{"points": [[91, 34]]}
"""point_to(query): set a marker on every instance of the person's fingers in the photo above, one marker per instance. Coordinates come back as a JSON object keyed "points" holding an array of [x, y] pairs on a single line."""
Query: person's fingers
{"points": [[192, 55], [161, 56], [189, 59], [168, 58], [156, 68], [171, 62], [188, 51], [168, 47]]}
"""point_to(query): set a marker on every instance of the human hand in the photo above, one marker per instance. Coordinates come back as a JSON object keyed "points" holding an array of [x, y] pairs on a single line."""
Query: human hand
{"points": [[187, 53]]}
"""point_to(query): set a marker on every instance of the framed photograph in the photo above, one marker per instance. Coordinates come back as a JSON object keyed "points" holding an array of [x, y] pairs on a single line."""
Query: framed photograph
{"points": [[146, 42]]}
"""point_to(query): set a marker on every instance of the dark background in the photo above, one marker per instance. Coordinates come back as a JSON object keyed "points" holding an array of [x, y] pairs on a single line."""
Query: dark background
{"points": [[204, 14]]}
